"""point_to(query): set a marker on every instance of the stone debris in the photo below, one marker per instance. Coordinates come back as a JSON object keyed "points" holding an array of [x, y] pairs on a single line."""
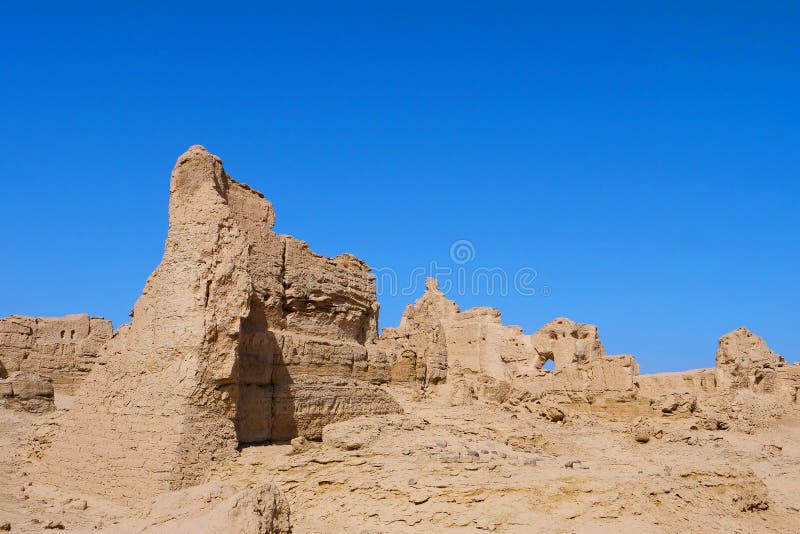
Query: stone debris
{"points": [[216, 507], [299, 444], [642, 430]]}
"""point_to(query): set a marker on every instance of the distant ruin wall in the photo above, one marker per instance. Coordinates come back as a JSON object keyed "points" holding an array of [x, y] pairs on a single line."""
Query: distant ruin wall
{"points": [[434, 335], [63, 349], [696, 381], [435, 338]]}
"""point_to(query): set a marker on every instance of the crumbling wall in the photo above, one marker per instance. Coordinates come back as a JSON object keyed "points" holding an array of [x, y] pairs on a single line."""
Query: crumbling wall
{"points": [[240, 336], [61, 348], [434, 331], [696, 381], [434, 336], [27, 391], [609, 378], [567, 344], [743, 362], [478, 341], [417, 350]]}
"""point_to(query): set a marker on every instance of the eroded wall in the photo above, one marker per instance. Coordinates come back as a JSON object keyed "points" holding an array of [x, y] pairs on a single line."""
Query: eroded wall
{"points": [[63, 349], [240, 336], [433, 332]]}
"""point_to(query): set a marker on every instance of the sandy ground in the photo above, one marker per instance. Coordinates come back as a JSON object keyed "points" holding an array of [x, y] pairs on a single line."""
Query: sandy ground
{"points": [[473, 468]]}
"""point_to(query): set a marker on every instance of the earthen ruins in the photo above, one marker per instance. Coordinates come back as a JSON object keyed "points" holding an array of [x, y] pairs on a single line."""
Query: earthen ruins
{"points": [[251, 392]]}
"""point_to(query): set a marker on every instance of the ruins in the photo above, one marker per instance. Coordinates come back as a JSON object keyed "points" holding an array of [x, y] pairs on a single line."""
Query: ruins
{"points": [[240, 336], [61, 348], [252, 392]]}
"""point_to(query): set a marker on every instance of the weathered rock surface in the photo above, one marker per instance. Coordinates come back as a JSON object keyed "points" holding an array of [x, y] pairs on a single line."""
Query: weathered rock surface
{"points": [[244, 340], [62, 348], [483, 467], [567, 344], [488, 359], [27, 391], [745, 361], [240, 336], [435, 335], [695, 381], [215, 507], [611, 377], [417, 349]]}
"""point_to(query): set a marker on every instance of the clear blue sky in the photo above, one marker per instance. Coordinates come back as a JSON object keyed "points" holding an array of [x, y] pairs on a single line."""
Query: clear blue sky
{"points": [[642, 157]]}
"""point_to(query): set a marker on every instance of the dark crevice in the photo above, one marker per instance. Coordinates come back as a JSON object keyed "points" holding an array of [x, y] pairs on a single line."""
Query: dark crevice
{"points": [[264, 409]]}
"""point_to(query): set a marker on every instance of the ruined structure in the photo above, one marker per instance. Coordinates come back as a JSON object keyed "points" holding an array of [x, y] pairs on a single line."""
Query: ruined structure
{"points": [[61, 348], [435, 337], [436, 341], [251, 393], [744, 363], [567, 344], [240, 336], [27, 391]]}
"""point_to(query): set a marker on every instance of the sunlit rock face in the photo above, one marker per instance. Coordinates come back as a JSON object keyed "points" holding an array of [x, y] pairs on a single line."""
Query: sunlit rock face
{"points": [[240, 336], [63, 349]]}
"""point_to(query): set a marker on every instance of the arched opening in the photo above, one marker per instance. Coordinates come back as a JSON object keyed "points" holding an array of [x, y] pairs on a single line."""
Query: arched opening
{"points": [[545, 361]]}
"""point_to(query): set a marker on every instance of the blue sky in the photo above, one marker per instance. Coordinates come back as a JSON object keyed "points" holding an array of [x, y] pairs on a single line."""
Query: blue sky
{"points": [[641, 157]]}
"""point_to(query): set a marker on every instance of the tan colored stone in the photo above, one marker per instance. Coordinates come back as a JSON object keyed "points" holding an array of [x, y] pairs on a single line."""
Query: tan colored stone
{"points": [[244, 340], [745, 361], [215, 507], [567, 344], [610, 377], [62, 348], [434, 335], [27, 391], [675, 403], [417, 349], [499, 358], [240, 336], [462, 393], [479, 342], [642, 430], [698, 382]]}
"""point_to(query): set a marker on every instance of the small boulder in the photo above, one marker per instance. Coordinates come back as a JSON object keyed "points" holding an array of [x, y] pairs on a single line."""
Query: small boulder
{"points": [[299, 444], [675, 403], [642, 430], [552, 413]]}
